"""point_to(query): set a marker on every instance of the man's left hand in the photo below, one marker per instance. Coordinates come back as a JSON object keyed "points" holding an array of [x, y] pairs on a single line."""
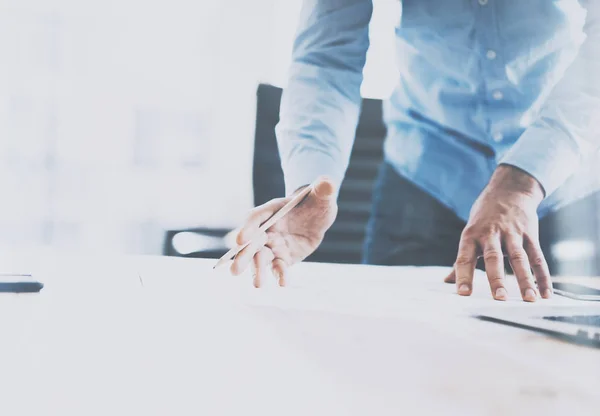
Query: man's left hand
{"points": [[504, 220]]}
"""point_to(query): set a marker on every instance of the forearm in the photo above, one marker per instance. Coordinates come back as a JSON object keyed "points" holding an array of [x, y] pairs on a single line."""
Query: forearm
{"points": [[321, 104], [566, 131], [316, 130]]}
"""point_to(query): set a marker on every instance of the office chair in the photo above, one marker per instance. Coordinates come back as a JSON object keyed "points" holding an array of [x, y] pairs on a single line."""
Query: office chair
{"points": [[343, 242]]}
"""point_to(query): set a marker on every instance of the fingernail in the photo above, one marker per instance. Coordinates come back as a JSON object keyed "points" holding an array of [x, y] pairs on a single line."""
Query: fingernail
{"points": [[547, 293], [501, 293], [464, 290], [530, 295]]}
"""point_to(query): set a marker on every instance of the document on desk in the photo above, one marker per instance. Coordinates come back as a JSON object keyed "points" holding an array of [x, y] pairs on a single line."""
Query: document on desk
{"points": [[348, 340], [154, 353], [396, 365]]}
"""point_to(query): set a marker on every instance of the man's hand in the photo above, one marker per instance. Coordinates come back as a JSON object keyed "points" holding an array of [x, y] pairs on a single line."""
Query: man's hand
{"points": [[504, 220], [291, 239]]}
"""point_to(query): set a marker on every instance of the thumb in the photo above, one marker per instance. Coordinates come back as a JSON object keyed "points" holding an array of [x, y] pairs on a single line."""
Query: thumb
{"points": [[324, 190]]}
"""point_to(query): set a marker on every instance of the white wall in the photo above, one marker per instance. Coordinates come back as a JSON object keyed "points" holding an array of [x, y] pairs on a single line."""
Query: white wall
{"points": [[121, 118]]}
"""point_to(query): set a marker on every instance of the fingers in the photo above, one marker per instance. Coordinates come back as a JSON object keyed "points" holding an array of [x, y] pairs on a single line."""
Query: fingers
{"points": [[451, 278], [279, 271], [538, 264], [260, 263], [244, 257], [519, 262], [465, 265], [256, 217], [494, 266], [523, 258]]}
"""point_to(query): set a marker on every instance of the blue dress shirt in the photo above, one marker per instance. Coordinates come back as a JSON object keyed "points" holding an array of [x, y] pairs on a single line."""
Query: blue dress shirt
{"points": [[480, 82]]}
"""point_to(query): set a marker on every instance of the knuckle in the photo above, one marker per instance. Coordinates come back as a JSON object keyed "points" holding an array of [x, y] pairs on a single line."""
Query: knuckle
{"points": [[518, 256], [492, 255], [537, 261], [489, 231], [279, 262], [464, 260], [469, 233], [495, 278], [480, 230]]}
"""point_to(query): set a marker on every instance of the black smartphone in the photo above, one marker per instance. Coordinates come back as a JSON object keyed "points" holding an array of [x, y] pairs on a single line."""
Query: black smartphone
{"points": [[575, 291]]}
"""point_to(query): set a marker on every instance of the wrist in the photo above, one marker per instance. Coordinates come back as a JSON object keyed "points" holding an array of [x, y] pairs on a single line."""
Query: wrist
{"points": [[512, 179]]}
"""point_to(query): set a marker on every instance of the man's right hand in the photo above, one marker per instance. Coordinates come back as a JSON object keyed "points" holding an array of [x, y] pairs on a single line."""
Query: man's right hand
{"points": [[291, 239]]}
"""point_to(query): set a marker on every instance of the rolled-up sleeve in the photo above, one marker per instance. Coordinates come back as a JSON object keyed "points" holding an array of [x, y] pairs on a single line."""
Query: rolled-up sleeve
{"points": [[568, 127], [321, 103]]}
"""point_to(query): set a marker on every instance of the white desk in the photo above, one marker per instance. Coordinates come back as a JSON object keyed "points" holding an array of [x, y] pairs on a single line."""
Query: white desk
{"points": [[340, 340]]}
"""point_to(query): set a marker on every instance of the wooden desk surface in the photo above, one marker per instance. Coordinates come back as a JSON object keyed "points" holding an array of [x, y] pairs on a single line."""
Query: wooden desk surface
{"points": [[340, 340]]}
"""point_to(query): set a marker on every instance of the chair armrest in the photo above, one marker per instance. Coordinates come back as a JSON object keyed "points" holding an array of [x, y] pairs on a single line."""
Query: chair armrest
{"points": [[197, 242]]}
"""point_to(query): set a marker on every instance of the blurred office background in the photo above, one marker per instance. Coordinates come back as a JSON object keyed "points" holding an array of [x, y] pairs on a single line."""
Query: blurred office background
{"points": [[121, 119], [124, 123]]}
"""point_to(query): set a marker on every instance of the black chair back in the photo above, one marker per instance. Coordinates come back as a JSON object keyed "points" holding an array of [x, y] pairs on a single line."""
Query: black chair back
{"points": [[343, 242]]}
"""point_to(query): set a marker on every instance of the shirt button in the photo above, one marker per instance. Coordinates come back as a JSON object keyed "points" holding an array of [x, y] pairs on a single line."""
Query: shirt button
{"points": [[498, 95], [498, 137], [483, 2], [491, 55]]}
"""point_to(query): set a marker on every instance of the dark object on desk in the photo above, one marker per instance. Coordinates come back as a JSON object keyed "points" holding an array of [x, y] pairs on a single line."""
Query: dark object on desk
{"points": [[576, 324], [575, 291], [589, 320], [343, 242], [20, 287]]}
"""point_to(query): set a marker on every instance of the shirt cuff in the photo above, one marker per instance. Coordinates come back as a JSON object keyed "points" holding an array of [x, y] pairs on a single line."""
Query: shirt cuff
{"points": [[548, 155], [306, 166]]}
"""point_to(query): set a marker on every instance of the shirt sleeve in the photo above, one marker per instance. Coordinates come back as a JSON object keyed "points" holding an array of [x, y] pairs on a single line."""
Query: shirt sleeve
{"points": [[568, 127], [321, 103]]}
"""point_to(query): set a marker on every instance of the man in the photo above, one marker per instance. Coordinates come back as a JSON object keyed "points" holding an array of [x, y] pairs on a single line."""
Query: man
{"points": [[497, 105]]}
